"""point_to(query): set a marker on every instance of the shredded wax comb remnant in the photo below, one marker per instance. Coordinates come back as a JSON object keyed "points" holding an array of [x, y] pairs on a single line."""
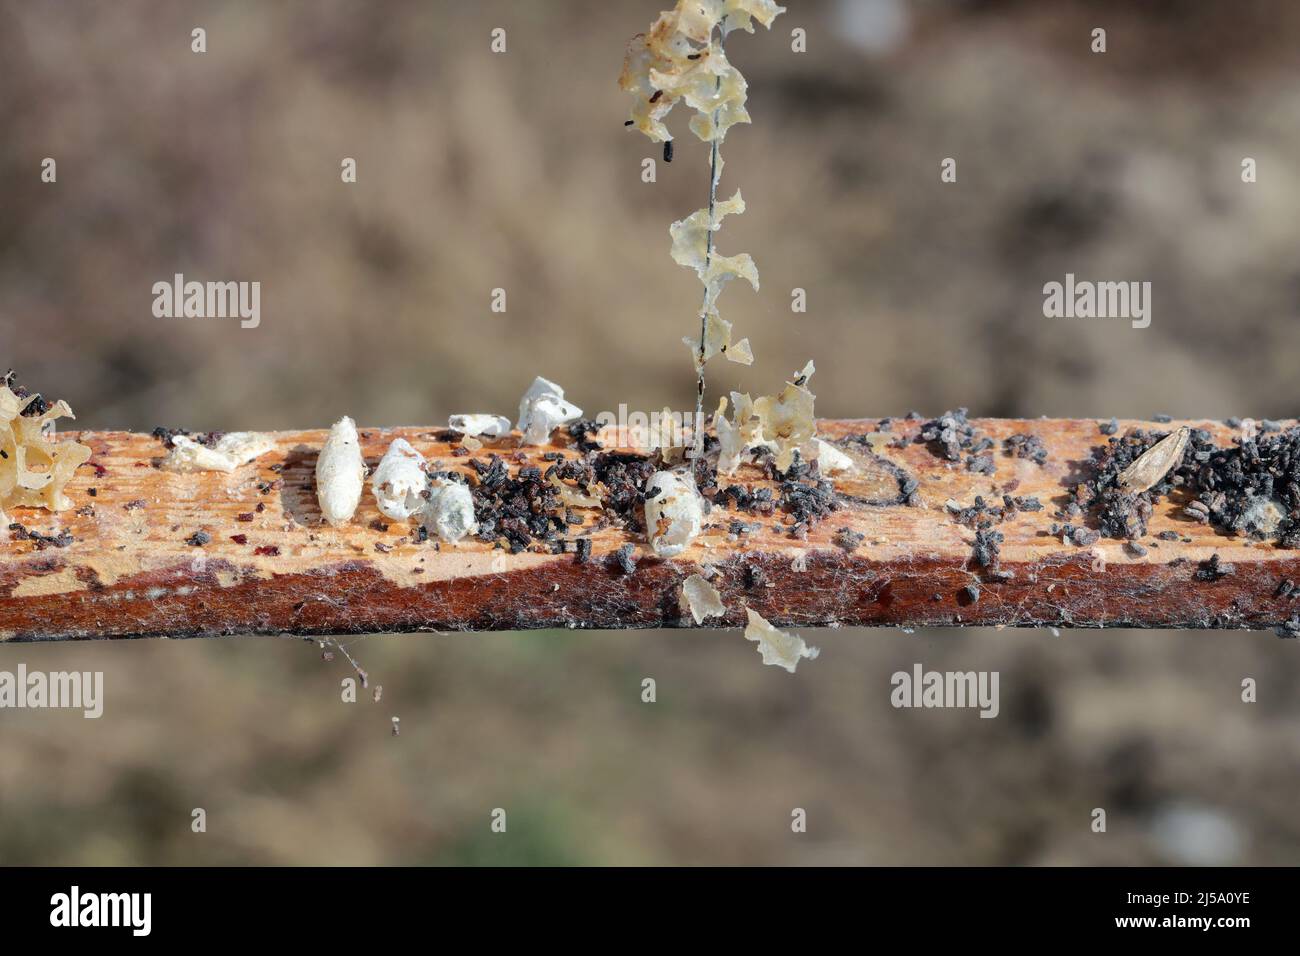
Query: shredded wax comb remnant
{"points": [[33, 467], [230, 451], [543, 409]]}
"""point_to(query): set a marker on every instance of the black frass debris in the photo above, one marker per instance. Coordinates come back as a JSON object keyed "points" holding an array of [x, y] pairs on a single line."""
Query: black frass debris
{"points": [[1022, 445], [951, 434], [1213, 569]]}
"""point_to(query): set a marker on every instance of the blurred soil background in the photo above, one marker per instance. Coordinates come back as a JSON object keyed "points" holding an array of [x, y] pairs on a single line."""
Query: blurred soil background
{"points": [[479, 171]]}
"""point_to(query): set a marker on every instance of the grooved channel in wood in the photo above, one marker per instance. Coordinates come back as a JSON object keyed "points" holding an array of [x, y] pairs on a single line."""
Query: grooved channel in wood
{"points": [[130, 572]]}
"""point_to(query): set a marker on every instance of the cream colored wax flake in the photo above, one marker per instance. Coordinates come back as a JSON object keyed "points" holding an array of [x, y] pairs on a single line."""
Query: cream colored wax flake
{"points": [[666, 433], [399, 481], [33, 468], [717, 339], [682, 59], [737, 436], [778, 647], [830, 460], [783, 422], [479, 426], [571, 496], [450, 511], [230, 451], [702, 599], [740, 353], [740, 12], [690, 249], [674, 512], [679, 59], [648, 111], [543, 409], [340, 473], [710, 86], [786, 419]]}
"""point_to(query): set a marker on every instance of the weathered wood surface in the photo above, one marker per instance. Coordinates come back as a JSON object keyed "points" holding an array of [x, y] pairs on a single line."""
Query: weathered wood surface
{"points": [[130, 571]]}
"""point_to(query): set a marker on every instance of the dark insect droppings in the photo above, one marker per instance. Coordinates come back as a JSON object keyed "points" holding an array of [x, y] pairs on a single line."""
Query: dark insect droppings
{"points": [[36, 406], [41, 541], [1251, 487], [847, 539], [1213, 569], [623, 556], [581, 432], [1022, 445], [668, 151], [988, 543]]}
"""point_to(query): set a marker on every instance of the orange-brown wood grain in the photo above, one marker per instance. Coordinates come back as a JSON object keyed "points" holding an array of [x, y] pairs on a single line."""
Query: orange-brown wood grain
{"points": [[129, 570]]}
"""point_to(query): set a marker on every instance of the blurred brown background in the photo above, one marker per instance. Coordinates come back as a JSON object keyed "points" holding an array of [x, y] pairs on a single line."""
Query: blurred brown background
{"points": [[480, 171]]}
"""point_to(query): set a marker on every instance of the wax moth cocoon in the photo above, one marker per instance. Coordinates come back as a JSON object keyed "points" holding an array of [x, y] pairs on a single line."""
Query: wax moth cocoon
{"points": [[450, 510], [479, 426], [543, 409], [34, 469], [779, 648], [230, 451], [340, 473], [674, 512], [399, 481], [702, 599]]}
